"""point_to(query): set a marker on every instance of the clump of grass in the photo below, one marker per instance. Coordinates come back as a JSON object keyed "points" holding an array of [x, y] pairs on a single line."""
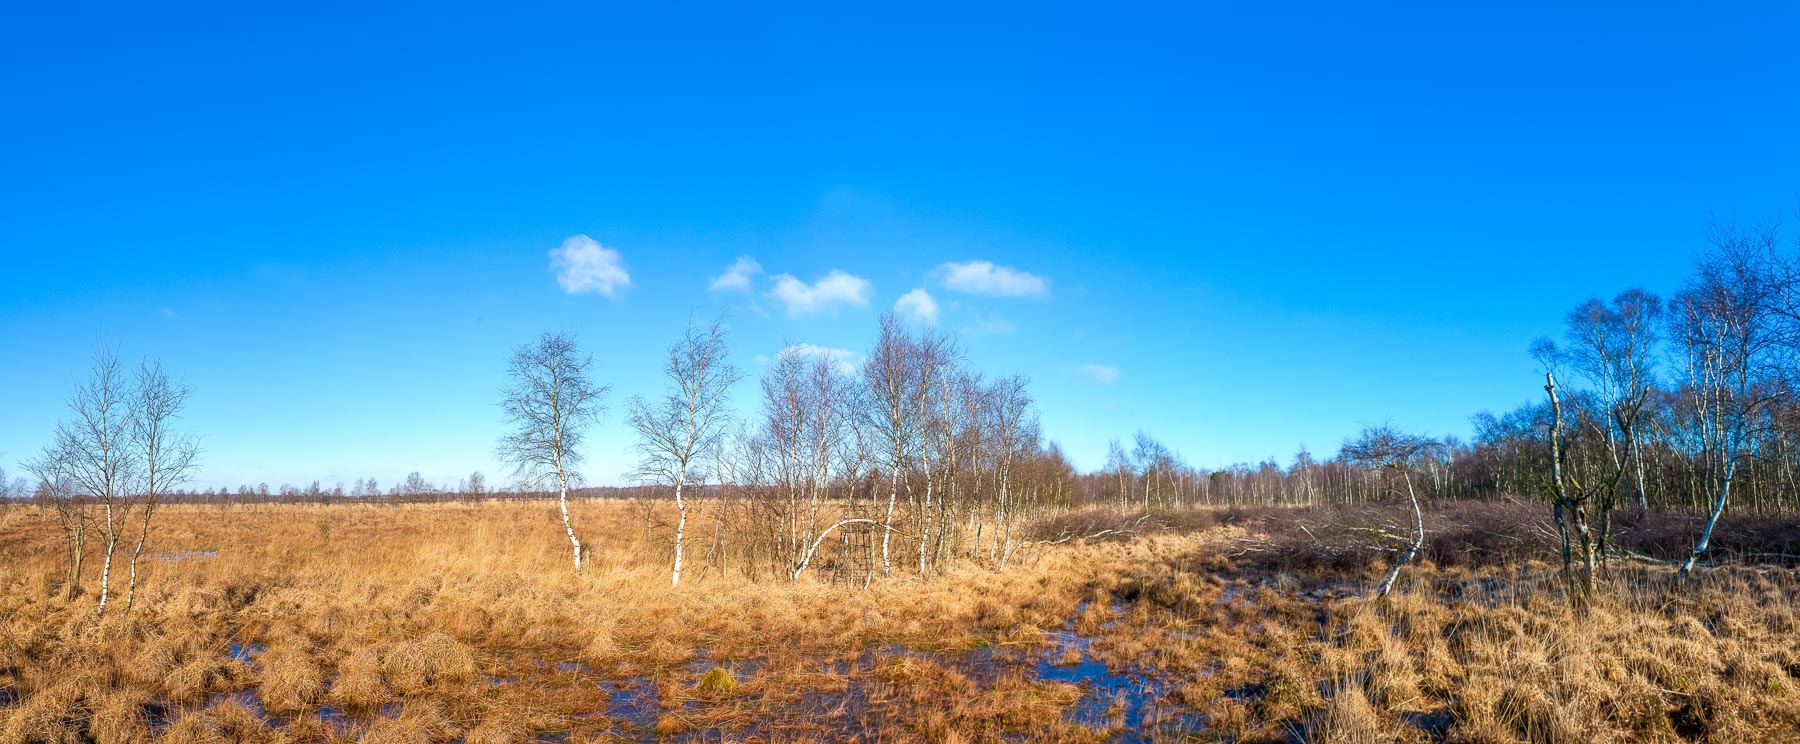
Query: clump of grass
{"points": [[413, 668], [359, 685], [716, 682], [118, 719], [1350, 719], [289, 680], [49, 717], [420, 722]]}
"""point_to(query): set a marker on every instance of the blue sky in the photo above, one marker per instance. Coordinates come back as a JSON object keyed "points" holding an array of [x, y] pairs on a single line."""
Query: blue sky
{"points": [[1276, 222]]}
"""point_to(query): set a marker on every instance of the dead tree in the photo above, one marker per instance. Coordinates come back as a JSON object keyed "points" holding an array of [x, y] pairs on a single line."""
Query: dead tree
{"points": [[550, 402], [680, 431], [1393, 452]]}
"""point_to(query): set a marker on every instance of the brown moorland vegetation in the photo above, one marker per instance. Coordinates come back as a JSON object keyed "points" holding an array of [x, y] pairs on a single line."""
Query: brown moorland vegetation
{"points": [[460, 622]]}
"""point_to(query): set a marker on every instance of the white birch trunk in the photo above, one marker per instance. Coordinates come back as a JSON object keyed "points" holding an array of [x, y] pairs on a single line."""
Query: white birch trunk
{"points": [[1711, 521], [137, 550], [888, 523], [680, 530], [1387, 584], [562, 499], [806, 558], [112, 542]]}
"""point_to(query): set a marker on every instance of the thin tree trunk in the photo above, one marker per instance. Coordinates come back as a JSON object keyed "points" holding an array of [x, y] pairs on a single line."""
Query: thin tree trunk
{"points": [[806, 558], [680, 530], [1418, 540], [888, 522], [562, 499], [112, 542], [137, 550], [1711, 521]]}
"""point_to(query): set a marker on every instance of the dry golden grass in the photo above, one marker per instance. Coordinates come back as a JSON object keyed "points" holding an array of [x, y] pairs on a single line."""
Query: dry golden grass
{"points": [[446, 622]]}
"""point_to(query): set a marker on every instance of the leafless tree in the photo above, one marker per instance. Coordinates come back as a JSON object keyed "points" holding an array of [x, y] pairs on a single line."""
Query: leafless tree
{"points": [[682, 430], [1118, 464], [1732, 338], [474, 488], [1394, 452], [550, 401], [57, 495], [90, 456], [1014, 432], [167, 458], [898, 377]]}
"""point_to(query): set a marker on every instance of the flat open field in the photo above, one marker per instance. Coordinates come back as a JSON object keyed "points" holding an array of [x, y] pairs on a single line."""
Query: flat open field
{"points": [[454, 622]]}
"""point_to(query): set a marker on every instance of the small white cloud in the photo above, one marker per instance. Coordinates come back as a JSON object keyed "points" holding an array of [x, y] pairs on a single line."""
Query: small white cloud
{"points": [[1101, 373], [986, 278], [168, 314], [843, 360], [737, 276], [583, 265], [837, 288], [918, 305]]}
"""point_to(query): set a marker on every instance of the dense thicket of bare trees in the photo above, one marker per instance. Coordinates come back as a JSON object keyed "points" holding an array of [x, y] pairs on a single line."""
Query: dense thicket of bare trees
{"points": [[902, 463]]}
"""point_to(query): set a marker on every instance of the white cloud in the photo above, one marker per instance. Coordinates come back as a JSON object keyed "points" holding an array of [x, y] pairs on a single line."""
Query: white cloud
{"points": [[836, 288], [985, 278], [583, 265], [918, 305], [843, 360], [1101, 373], [737, 276]]}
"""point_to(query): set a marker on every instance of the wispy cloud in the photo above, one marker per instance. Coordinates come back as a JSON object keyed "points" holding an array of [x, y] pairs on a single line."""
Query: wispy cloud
{"points": [[737, 276], [842, 360], [987, 278], [989, 325], [918, 305], [583, 265], [1101, 373], [837, 288]]}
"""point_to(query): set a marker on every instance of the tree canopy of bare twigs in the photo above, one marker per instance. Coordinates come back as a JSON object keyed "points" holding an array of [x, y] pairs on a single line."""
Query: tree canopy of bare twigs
{"points": [[550, 400]]}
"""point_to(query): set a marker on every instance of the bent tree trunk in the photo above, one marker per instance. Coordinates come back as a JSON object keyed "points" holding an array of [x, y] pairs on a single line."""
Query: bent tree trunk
{"points": [[1387, 584], [1711, 521], [806, 558]]}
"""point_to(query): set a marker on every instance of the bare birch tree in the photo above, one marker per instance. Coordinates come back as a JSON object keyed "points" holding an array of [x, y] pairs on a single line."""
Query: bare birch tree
{"points": [[682, 430], [90, 455], [167, 458], [1393, 452], [1729, 335], [898, 376], [550, 402]]}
